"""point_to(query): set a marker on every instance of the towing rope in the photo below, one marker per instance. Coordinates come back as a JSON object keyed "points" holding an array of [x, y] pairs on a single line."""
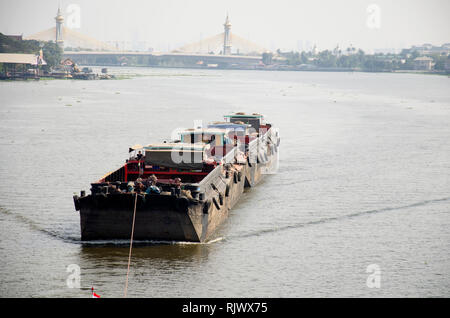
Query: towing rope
{"points": [[131, 246]]}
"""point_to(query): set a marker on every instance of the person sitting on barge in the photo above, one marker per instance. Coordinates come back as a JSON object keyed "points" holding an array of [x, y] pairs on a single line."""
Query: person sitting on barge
{"points": [[113, 189]]}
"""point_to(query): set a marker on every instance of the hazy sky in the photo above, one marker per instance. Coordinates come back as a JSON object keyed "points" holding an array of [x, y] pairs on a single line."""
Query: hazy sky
{"points": [[285, 24]]}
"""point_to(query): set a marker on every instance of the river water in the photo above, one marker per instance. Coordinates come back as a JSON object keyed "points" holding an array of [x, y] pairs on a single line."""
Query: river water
{"points": [[363, 183]]}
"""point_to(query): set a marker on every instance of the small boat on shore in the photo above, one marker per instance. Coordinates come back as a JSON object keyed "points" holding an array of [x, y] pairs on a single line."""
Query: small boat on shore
{"points": [[182, 190]]}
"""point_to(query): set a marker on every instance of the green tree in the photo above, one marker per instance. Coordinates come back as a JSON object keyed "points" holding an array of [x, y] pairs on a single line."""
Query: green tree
{"points": [[51, 51], [326, 59], [52, 54]]}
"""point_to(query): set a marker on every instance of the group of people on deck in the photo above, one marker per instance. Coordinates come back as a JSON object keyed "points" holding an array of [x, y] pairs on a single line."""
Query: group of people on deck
{"points": [[140, 186]]}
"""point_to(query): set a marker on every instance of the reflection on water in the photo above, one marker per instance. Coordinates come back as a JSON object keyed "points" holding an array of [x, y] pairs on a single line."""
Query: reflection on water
{"points": [[147, 262], [155, 254]]}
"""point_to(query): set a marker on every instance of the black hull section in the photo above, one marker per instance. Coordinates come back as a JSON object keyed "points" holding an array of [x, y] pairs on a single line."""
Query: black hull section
{"points": [[159, 217]]}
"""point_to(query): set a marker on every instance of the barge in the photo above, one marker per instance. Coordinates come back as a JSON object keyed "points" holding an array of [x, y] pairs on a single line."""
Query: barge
{"points": [[182, 190]]}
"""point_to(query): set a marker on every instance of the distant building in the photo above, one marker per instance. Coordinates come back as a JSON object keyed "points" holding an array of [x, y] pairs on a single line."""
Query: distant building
{"points": [[19, 65], [447, 64], [21, 58], [423, 63], [428, 49], [387, 51], [15, 37]]}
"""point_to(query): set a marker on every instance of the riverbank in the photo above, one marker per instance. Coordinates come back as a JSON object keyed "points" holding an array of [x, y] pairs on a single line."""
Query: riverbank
{"points": [[65, 76], [121, 76]]}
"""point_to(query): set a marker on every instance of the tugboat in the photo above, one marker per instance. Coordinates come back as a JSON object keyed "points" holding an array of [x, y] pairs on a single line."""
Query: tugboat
{"points": [[182, 190]]}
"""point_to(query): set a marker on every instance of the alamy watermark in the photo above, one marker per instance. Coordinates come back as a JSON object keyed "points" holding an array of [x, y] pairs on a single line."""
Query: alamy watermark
{"points": [[373, 16], [74, 278], [374, 278], [73, 20]]}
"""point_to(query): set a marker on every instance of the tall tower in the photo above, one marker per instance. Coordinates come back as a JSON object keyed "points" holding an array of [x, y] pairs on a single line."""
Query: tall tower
{"points": [[59, 28], [226, 37]]}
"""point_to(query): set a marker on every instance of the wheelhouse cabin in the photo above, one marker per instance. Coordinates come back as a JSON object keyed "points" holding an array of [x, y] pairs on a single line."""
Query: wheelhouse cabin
{"points": [[218, 140], [256, 121]]}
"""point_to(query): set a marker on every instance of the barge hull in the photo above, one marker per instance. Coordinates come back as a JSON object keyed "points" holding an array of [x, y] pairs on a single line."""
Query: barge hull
{"points": [[191, 213], [158, 217]]}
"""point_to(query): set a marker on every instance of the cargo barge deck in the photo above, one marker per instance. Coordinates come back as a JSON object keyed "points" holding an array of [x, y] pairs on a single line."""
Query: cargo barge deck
{"points": [[183, 190]]}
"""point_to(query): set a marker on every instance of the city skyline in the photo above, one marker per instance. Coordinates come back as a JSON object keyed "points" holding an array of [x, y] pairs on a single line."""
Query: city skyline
{"points": [[290, 25]]}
